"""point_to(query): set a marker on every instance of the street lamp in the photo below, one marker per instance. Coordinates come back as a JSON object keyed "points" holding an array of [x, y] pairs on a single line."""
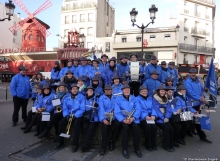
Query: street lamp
{"points": [[134, 14], [9, 7]]}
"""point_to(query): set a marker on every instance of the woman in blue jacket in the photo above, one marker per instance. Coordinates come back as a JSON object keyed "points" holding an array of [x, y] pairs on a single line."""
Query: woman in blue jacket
{"points": [[148, 114], [117, 86], [111, 71], [162, 107], [178, 105], [91, 119]]}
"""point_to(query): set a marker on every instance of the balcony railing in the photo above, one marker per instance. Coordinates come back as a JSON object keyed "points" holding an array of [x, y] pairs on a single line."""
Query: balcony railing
{"points": [[197, 14], [208, 1], [195, 48], [198, 31], [186, 11], [76, 7], [186, 29]]}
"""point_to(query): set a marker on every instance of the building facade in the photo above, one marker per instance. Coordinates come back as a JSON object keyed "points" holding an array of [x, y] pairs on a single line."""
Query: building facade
{"points": [[91, 18]]}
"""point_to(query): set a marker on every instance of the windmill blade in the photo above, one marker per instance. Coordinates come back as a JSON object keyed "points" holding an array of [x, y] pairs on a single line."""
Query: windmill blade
{"points": [[41, 28], [43, 7], [17, 26], [22, 6]]}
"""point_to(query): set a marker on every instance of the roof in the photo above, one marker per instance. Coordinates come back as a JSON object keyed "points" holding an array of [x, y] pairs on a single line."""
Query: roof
{"points": [[43, 23]]}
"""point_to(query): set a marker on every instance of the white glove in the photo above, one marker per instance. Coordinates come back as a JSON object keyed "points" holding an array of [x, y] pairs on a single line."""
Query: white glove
{"points": [[166, 120]]}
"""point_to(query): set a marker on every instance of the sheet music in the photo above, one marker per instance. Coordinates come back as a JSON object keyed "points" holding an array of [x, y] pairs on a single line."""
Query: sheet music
{"points": [[90, 106], [45, 116], [200, 115], [56, 102], [150, 121], [34, 109]]}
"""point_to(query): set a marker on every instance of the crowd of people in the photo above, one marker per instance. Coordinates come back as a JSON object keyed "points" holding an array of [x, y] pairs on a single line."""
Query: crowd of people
{"points": [[90, 92]]}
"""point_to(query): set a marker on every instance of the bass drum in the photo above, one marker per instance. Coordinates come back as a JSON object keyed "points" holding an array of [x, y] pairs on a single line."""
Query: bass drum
{"points": [[134, 71]]}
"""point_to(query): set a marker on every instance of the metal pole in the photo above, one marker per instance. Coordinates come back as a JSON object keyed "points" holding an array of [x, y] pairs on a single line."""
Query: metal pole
{"points": [[142, 40], [6, 93]]}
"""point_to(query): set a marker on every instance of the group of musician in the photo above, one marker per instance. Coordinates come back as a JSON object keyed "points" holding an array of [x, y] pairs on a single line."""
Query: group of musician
{"points": [[102, 92]]}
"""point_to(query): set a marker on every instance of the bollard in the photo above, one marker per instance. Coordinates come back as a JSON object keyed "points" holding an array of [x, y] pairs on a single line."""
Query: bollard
{"points": [[6, 93]]}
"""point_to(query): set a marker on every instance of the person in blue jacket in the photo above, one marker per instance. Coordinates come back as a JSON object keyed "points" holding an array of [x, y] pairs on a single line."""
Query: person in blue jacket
{"points": [[164, 112], [127, 111], [164, 69], [117, 86], [147, 114], [91, 119], [83, 71], [194, 91], [65, 69], [180, 104], [172, 72], [61, 94], [111, 71], [169, 82], [69, 79], [31, 113], [98, 72], [55, 73], [153, 66], [44, 105], [97, 89], [82, 86], [20, 90], [106, 104], [122, 69], [152, 83], [73, 106], [142, 70], [104, 63]]}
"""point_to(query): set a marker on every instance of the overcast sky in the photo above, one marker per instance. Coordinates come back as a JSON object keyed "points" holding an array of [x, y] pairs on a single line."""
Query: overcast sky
{"points": [[122, 17]]}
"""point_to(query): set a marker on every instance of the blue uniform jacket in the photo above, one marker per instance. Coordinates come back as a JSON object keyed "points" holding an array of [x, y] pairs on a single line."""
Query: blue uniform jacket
{"points": [[83, 71], [61, 97], [109, 75], [55, 75], [20, 86], [146, 107], [103, 66], [94, 70], [150, 68], [160, 116], [105, 105], [194, 90], [121, 69], [165, 73], [122, 104], [142, 71], [94, 112], [172, 73], [77, 105], [39, 97], [117, 88], [98, 91], [46, 102], [34, 94], [65, 69], [151, 85]]}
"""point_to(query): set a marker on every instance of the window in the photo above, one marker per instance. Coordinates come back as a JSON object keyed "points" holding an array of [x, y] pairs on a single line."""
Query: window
{"points": [[82, 31], [13, 39], [73, 18], [89, 45], [67, 6], [37, 38], [167, 37], [31, 37], [196, 42], [15, 33], [124, 39], [66, 19], [107, 47], [25, 37], [66, 32], [90, 31], [90, 17], [195, 57], [152, 37], [42, 39], [185, 39], [196, 24], [138, 38], [82, 18]]}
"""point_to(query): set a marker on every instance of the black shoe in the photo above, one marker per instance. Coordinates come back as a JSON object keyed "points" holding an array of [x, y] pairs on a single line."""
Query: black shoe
{"points": [[84, 149], [190, 134], [59, 145], [172, 149], [111, 146], [194, 132], [36, 134], [125, 154], [27, 130], [149, 149], [138, 153], [181, 142], [206, 140], [102, 151], [75, 148], [55, 139], [23, 128], [43, 134], [155, 148], [14, 124], [168, 149], [176, 144]]}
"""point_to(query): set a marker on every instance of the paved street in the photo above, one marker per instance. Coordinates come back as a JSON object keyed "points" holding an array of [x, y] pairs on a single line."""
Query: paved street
{"points": [[13, 140]]}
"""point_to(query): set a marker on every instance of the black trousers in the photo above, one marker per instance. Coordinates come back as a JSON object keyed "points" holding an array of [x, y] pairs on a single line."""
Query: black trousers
{"points": [[54, 121], [41, 124], [19, 103], [134, 88], [114, 128], [198, 126], [29, 118], [89, 133], [76, 128], [180, 129], [167, 130], [33, 121], [125, 135], [150, 133]]}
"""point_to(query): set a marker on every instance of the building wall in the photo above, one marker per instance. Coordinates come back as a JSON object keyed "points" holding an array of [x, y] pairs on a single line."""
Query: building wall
{"points": [[7, 39]]}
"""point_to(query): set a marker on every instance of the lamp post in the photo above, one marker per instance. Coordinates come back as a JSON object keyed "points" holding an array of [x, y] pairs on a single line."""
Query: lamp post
{"points": [[9, 10], [133, 15]]}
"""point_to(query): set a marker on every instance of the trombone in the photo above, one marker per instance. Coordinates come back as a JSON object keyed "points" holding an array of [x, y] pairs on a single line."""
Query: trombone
{"points": [[66, 135]]}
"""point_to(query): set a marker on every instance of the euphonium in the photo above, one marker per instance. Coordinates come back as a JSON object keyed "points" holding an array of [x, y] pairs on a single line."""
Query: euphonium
{"points": [[58, 109]]}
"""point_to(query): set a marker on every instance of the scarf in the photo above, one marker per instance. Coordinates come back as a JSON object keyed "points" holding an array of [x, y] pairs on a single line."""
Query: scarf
{"points": [[61, 94], [73, 96], [57, 68], [155, 65], [88, 97], [112, 68], [144, 97], [126, 97], [82, 87], [45, 95], [95, 85], [164, 69], [161, 100], [109, 96], [124, 64]]}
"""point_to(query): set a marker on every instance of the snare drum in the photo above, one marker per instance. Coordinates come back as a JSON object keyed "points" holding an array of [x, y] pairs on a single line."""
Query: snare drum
{"points": [[197, 117], [134, 71], [185, 116]]}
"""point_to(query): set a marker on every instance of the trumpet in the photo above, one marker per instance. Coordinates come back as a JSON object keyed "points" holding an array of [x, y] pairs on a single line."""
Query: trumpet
{"points": [[110, 119], [130, 115], [66, 135], [58, 109]]}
